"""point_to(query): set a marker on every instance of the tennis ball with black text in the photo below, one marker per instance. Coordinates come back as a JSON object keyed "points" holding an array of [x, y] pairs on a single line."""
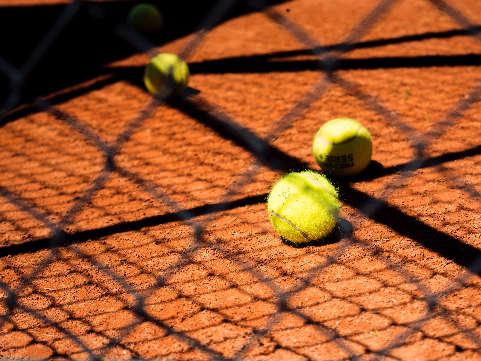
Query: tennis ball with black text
{"points": [[146, 18], [342, 147], [166, 73], [303, 206]]}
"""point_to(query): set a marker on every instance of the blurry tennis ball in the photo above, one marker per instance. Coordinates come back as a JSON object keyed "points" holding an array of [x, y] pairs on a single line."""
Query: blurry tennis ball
{"points": [[342, 147], [145, 18], [166, 70], [303, 206]]}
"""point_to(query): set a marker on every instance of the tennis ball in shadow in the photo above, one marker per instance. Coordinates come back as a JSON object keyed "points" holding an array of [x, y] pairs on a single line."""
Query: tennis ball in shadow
{"points": [[146, 18]]}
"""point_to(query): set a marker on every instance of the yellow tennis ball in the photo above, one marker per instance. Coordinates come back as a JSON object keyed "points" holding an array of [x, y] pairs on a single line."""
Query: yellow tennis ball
{"points": [[303, 206], [342, 147], [145, 18], [168, 71]]}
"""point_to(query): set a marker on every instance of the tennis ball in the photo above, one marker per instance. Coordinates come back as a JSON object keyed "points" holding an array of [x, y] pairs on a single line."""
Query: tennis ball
{"points": [[342, 147], [303, 206], [166, 70], [145, 18]]}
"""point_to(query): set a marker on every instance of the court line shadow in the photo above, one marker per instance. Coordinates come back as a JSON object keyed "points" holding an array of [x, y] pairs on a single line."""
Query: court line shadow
{"points": [[83, 236], [261, 64], [376, 169]]}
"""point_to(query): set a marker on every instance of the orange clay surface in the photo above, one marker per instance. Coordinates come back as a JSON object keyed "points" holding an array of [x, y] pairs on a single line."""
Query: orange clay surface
{"points": [[220, 295]]}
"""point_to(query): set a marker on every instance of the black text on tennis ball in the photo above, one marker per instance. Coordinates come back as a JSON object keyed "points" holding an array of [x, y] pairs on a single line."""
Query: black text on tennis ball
{"points": [[166, 73], [303, 207], [342, 147], [145, 18]]}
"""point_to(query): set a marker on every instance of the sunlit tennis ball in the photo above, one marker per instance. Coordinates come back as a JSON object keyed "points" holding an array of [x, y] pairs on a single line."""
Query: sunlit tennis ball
{"points": [[342, 147], [166, 73], [146, 18], [303, 207]]}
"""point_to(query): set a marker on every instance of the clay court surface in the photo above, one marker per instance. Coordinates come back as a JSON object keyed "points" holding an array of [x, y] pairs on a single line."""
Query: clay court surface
{"points": [[169, 252]]}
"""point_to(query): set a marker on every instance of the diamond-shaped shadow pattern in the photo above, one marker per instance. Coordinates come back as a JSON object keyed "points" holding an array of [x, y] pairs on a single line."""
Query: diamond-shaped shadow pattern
{"points": [[134, 226]]}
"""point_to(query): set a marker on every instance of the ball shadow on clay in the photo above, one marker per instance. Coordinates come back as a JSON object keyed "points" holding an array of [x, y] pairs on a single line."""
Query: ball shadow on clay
{"points": [[342, 230]]}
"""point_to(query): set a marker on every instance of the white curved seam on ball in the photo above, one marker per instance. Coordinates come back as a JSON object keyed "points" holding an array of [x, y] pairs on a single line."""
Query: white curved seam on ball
{"points": [[320, 185], [291, 224], [343, 142]]}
